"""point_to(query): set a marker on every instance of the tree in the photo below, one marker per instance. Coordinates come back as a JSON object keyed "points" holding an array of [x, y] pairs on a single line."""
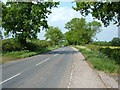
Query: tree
{"points": [[70, 37], [75, 25], [81, 32], [106, 12], [25, 19], [94, 28], [54, 34]]}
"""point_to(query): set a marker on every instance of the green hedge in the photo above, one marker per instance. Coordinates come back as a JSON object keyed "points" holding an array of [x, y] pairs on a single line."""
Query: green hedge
{"points": [[12, 44], [101, 43], [9, 45], [109, 52]]}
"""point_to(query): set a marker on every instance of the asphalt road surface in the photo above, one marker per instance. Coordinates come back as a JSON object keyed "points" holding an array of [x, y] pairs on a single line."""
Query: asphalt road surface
{"points": [[48, 70]]}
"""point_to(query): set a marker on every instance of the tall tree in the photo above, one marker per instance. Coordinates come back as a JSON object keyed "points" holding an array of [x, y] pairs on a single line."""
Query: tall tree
{"points": [[25, 19], [81, 32], [54, 34], [76, 25], [105, 11]]}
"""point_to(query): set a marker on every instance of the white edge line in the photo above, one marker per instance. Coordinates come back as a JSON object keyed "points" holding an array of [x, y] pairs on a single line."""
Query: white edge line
{"points": [[42, 62], [10, 78]]}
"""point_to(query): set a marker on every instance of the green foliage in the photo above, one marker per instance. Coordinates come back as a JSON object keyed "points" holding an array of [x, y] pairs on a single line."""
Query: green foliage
{"points": [[8, 56], [106, 12], [13, 44], [114, 54], [115, 42], [81, 32], [24, 19], [54, 35], [1, 37], [101, 43], [9, 45], [98, 60]]}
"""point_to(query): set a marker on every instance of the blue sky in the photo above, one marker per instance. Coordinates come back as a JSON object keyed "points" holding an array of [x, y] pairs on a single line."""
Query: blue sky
{"points": [[64, 13]]}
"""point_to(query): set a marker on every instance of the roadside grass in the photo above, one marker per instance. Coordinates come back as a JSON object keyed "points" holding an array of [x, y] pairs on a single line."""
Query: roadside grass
{"points": [[98, 60], [9, 56]]}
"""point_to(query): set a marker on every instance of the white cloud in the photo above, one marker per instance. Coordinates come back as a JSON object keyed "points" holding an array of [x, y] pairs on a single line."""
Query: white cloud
{"points": [[63, 0], [60, 16]]}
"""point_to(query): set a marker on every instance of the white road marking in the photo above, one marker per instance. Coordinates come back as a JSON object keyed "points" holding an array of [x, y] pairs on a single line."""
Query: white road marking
{"points": [[71, 76], [63, 49], [42, 62], [55, 54], [10, 78]]}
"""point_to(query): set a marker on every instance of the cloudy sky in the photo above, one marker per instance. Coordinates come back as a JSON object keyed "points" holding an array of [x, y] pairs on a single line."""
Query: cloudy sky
{"points": [[64, 13]]}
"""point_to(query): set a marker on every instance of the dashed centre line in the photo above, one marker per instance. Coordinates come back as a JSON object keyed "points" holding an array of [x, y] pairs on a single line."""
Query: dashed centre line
{"points": [[42, 62], [10, 78], [27, 69], [55, 54]]}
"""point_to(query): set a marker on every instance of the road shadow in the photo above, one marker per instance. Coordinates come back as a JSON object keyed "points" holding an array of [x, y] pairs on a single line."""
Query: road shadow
{"points": [[61, 52]]}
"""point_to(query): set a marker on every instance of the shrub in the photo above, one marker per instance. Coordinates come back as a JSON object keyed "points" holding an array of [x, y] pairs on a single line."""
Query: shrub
{"points": [[44, 43], [12, 44], [31, 46], [92, 47], [115, 41], [111, 52], [101, 43]]}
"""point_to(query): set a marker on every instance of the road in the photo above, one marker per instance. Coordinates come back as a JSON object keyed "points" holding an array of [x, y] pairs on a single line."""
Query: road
{"points": [[48, 70], [61, 68]]}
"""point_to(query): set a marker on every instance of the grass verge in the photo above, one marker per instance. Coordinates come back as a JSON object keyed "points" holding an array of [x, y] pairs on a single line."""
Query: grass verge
{"points": [[98, 60], [8, 56]]}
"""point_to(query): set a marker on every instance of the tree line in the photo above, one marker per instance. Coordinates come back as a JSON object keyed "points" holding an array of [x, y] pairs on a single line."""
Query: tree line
{"points": [[25, 19]]}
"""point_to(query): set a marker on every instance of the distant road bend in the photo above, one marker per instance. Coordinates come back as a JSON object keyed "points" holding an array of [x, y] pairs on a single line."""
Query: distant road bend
{"points": [[49, 70]]}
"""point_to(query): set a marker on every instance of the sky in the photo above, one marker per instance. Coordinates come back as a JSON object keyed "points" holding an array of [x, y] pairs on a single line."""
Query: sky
{"points": [[64, 13]]}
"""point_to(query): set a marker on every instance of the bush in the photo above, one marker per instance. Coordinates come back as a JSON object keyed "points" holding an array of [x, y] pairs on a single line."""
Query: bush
{"points": [[12, 44], [9, 45], [101, 43], [44, 43], [31, 46], [115, 41], [41, 43], [113, 53], [92, 47]]}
